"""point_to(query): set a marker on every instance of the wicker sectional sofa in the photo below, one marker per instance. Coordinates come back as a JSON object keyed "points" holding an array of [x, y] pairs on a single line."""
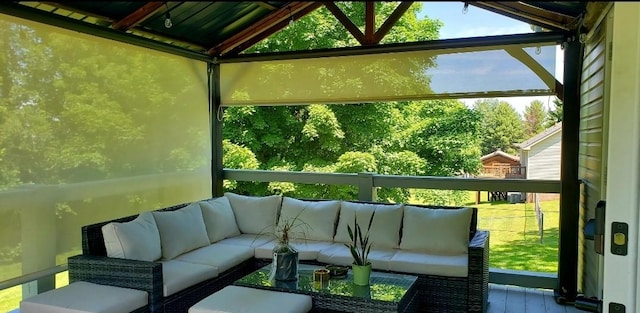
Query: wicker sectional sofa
{"points": [[183, 253]]}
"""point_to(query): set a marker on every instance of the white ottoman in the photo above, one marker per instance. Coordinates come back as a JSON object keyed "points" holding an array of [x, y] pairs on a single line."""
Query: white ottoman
{"points": [[236, 299], [80, 297]]}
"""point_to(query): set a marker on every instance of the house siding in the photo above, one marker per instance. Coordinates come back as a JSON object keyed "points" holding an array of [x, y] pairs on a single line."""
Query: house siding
{"points": [[590, 169], [544, 158]]}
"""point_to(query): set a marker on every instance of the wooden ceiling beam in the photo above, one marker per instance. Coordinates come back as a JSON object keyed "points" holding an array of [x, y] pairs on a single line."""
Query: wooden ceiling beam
{"points": [[369, 22], [62, 5], [268, 32], [260, 27], [138, 16], [391, 20], [346, 22]]}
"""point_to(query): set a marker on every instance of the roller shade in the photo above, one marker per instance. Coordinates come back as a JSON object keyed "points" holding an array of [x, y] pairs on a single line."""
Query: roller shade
{"points": [[498, 71], [91, 130]]}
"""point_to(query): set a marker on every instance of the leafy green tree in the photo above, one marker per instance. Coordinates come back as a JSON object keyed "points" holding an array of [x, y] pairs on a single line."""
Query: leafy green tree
{"points": [[406, 163], [437, 137], [534, 118], [64, 116], [555, 115], [445, 133], [501, 127], [238, 157]]}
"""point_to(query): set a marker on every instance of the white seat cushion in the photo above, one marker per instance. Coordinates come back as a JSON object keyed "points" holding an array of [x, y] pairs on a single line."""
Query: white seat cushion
{"points": [[219, 219], [178, 275], [236, 299], [420, 262], [181, 230], [80, 297], [316, 219], [135, 240], [255, 215], [338, 254], [307, 249], [437, 231], [248, 240], [385, 229], [220, 256]]}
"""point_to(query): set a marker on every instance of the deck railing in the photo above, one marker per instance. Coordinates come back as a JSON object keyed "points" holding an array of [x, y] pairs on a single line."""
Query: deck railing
{"points": [[367, 183], [504, 171], [40, 199]]}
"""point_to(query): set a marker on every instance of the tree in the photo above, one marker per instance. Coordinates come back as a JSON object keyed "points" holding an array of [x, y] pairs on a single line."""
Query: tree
{"points": [[555, 115], [534, 118], [446, 134], [436, 137], [84, 111], [501, 126], [271, 131]]}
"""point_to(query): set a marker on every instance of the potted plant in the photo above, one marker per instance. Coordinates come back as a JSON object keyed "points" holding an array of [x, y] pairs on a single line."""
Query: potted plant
{"points": [[285, 256], [360, 247]]}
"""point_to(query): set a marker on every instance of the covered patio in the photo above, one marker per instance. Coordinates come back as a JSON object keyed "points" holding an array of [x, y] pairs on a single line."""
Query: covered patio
{"points": [[202, 43]]}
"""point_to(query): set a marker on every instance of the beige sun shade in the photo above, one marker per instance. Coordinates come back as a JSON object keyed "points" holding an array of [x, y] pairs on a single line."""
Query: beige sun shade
{"points": [[498, 71]]}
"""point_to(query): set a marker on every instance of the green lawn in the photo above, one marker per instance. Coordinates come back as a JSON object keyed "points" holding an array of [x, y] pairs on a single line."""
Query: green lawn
{"points": [[515, 242]]}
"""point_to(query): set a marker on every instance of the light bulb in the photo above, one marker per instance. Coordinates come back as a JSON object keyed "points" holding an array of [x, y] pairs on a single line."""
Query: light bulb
{"points": [[167, 21]]}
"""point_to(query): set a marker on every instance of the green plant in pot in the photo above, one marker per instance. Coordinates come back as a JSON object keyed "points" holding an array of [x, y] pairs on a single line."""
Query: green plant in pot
{"points": [[285, 256], [360, 247]]}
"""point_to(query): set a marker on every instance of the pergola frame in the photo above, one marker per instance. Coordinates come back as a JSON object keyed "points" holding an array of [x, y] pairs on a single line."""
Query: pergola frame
{"points": [[569, 91], [570, 184]]}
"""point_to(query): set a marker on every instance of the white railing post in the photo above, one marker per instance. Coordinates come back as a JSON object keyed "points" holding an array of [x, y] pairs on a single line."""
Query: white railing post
{"points": [[366, 189]]}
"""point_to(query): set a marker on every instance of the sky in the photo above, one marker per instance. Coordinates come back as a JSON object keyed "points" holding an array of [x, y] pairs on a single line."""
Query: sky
{"points": [[479, 22]]}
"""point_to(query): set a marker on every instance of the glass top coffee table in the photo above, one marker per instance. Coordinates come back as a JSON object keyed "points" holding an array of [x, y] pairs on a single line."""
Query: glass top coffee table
{"points": [[387, 292]]}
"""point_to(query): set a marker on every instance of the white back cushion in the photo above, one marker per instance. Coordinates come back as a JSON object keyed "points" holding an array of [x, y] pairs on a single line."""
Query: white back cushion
{"points": [[436, 230], [138, 239], [255, 215], [385, 230], [316, 219], [181, 230], [219, 219]]}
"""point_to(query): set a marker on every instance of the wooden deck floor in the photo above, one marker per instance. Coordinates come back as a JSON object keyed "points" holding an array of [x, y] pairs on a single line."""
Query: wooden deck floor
{"points": [[512, 299]]}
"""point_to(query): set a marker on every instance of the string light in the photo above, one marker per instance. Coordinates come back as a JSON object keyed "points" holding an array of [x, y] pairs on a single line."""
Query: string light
{"points": [[167, 17], [290, 17]]}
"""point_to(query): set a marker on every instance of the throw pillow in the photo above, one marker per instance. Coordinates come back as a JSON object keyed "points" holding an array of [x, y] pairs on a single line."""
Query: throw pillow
{"points": [[181, 230], [219, 219], [255, 215], [436, 230], [138, 239], [385, 229], [316, 218]]}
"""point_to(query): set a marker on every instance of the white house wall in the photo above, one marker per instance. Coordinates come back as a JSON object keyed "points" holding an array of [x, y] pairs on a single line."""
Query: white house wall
{"points": [[543, 160], [623, 160]]}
